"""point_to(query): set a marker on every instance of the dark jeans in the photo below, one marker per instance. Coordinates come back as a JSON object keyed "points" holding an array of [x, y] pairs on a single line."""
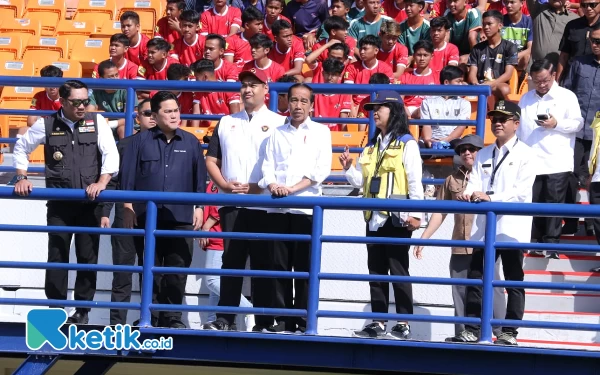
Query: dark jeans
{"points": [[236, 253], [577, 180], [124, 251], [549, 188], [288, 255], [72, 214], [389, 260], [595, 199], [512, 264]]}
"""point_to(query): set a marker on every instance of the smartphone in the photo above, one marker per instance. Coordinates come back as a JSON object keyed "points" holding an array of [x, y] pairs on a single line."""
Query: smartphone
{"points": [[543, 117]]}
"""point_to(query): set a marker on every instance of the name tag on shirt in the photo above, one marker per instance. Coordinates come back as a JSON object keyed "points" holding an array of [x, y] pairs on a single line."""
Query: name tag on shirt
{"points": [[87, 129], [58, 133], [179, 151]]}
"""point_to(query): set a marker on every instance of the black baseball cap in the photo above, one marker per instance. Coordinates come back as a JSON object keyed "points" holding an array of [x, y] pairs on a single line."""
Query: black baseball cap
{"points": [[383, 97], [470, 139], [507, 108]]}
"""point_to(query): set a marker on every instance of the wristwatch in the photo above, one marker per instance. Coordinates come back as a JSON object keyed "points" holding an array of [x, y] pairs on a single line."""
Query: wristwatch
{"points": [[21, 177]]}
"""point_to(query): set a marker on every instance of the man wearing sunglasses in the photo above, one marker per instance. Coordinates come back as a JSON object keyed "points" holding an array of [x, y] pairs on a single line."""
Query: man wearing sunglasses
{"points": [[79, 153]]}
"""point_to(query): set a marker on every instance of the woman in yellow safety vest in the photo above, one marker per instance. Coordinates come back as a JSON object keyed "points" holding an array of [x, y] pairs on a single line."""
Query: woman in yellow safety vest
{"points": [[390, 168]]}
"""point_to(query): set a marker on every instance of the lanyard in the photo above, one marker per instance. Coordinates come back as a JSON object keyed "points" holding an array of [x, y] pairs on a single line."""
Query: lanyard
{"points": [[380, 158], [499, 163]]}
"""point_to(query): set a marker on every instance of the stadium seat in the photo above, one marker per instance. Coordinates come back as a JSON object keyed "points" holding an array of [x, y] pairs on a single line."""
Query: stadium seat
{"points": [[68, 27], [98, 11], [21, 26], [199, 133], [17, 68], [149, 11], [37, 156], [342, 139], [89, 52], [16, 98], [48, 12], [12, 9], [107, 29], [12, 45], [70, 68], [43, 47]]}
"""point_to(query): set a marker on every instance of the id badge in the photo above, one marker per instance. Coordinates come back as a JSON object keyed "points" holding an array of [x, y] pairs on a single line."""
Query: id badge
{"points": [[375, 185]]}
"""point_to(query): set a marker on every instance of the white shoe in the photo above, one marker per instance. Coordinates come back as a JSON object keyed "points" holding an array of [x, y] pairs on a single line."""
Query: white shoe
{"points": [[249, 320]]}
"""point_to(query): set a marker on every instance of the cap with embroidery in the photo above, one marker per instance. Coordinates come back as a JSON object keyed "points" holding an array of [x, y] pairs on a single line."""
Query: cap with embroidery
{"points": [[383, 97], [505, 107], [256, 73]]}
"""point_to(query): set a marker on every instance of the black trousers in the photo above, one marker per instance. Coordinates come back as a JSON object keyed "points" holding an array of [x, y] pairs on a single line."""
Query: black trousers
{"points": [[124, 251], [577, 180], [169, 289], [389, 260], [288, 255], [236, 253], [549, 188], [72, 214], [512, 264], [595, 199]]}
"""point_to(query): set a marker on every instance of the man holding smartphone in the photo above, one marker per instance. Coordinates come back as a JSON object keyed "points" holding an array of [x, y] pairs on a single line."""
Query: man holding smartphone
{"points": [[550, 121]]}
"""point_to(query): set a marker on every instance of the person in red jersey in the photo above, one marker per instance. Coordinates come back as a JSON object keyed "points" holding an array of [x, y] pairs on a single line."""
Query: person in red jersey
{"points": [[274, 9], [360, 71], [337, 50], [237, 48], [221, 19], [190, 47], [169, 27], [47, 100], [211, 103], [283, 107], [117, 50], [333, 105], [337, 29], [444, 53], [138, 42], [392, 52], [261, 46], [395, 10], [288, 50], [180, 72], [421, 75], [156, 65], [376, 79], [214, 47]]}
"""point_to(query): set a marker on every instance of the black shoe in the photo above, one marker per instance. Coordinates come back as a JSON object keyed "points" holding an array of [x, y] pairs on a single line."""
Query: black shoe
{"points": [[220, 325], [401, 331], [153, 322], [506, 338], [259, 328], [552, 255], [373, 330], [80, 317], [281, 327], [174, 323]]}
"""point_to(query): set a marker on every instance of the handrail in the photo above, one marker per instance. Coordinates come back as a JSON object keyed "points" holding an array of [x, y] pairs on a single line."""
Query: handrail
{"points": [[318, 204]]}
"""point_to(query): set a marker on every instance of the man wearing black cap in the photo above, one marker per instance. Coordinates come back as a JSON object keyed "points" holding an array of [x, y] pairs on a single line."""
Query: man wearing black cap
{"points": [[503, 172]]}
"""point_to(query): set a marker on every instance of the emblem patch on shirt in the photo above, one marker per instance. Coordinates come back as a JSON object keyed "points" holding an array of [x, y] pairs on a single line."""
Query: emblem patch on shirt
{"points": [[213, 188], [87, 129], [265, 128]]}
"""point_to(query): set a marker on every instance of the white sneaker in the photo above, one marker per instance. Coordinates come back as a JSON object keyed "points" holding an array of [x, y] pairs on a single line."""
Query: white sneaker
{"points": [[249, 321]]}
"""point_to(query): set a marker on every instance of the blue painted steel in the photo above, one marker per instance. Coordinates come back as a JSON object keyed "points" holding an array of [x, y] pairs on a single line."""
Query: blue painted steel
{"points": [[399, 279], [96, 366], [149, 258], [129, 111], [274, 100], [228, 272], [547, 285], [481, 115], [230, 309], [69, 266], [399, 317], [550, 325], [489, 261], [240, 235], [371, 127], [400, 241], [315, 269], [36, 365], [76, 230], [69, 303]]}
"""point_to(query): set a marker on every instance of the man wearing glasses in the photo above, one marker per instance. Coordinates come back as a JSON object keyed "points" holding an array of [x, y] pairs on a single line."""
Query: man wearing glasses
{"points": [[79, 153], [550, 120]]}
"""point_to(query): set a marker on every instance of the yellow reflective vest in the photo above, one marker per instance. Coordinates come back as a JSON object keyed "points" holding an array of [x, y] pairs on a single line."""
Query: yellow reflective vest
{"points": [[391, 170], [594, 152]]}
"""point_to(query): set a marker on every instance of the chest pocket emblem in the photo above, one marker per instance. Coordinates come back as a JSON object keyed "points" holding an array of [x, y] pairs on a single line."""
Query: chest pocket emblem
{"points": [[265, 128]]}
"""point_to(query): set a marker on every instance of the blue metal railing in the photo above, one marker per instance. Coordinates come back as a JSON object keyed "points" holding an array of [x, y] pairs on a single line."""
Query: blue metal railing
{"points": [[318, 204]]}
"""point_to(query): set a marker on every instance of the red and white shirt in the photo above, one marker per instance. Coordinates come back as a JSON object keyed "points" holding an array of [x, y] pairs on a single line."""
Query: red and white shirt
{"points": [[397, 56], [332, 105], [127, 70], [358, 73], [147, 71], [444, 56], [392, 11], [138, 53], [273, 71], [318, 74], [226, 72], [267, 30], [212, 22], [42, 102], [186, 102], [287, 58], [162, 30], [215, 103], [350, 42], [429, 78], [238, 47], [187, 54]]}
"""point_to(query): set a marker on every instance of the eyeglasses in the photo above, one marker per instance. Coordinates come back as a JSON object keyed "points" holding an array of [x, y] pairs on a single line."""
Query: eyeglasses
{"points": [[77, 102], [146, 113], [595, 41], [589, 5], [501, 120], [471, 149]]}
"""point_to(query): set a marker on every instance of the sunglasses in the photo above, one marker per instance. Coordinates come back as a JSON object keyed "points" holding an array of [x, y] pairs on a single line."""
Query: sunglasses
{"points": [[77, 102], [501, 120], [471, 149], [589, 5], [595, 41], [146, 113]]}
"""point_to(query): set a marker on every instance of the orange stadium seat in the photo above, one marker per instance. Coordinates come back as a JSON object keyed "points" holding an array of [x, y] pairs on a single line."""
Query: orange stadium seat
{"points": [[83, 28], [12, 45], [71, 69], [17, 68], [342, 139], [12, 9], [149, 11], [43, 47], [107, 29], [17, 98], [21, 26], [48, 12], [197, 132], [89, 52], [98, 11]]}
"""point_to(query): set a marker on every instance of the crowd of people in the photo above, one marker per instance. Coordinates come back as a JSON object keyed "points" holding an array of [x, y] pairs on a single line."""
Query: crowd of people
{"points": [[545, 146]]}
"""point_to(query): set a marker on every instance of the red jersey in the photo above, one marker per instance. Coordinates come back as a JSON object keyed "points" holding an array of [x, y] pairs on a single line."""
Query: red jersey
{"points": [[138, 53], [273, 70], [418, 79], [187, 54], [186, 102], [162, 30], [128, 70], [215, 103], [287, 58], [350, 42], [443, 56], [147, 71], [212, 211], [358, 73], [227, 72], [212, 22], [285, 113], [392, 11], [267, 30], [238, 47], [397, 56], [440, 7], [362, 112], [41, 101], [318, 74], [332, 105]]}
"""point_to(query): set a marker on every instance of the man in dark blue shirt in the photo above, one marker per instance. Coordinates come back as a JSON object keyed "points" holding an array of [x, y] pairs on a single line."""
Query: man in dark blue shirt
{"points": [[166, 158], [307, 16]]}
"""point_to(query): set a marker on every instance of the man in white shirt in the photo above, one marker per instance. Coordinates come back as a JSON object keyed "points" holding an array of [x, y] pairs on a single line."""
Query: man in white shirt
{"points": [[550, 121], [503, 172], [297, 161], [234, 161]]}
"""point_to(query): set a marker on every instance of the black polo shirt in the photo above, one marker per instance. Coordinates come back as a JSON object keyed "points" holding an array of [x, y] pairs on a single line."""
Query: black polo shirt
{"points": [[575, 38], [153, 164]]}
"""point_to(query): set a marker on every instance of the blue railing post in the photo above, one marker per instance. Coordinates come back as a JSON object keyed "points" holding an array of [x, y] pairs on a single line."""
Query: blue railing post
{"points": [[149, 255], [371, 125], [129, 109], [489, 263], [481, 115], [273, 100], [315, 269]]}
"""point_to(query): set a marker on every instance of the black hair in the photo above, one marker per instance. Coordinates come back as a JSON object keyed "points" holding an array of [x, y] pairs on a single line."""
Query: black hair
{"points": [[130, 15], [180, 3], [451, 72], [379, 79], [251, 14], [287, 79], [280, 25], [370, 40], [340, 46], [333, 66], [160, 44], [397, 122], [423, 44], [542, 64], [282, 2], [347, 3], [335, 23], [222, 42], [159, 97], [142, 102], [190, 16], [494, 14], [440, 22], [104, 66], [65, 90], [301, 85], [51, 71], [203, 65], [260, 40], [120, 38], [177, 72]]}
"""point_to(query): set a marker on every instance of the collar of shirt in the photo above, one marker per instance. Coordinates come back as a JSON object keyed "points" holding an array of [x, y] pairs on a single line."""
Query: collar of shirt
{"points": [[157, 132], [551, 94], [508, 146], [383, 141], [61, 117], [304, 125], [247, 115]]}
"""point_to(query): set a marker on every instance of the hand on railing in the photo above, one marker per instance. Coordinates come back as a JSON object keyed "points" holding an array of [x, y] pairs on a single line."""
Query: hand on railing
{"points": [[23, 188], [94, 190]]}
